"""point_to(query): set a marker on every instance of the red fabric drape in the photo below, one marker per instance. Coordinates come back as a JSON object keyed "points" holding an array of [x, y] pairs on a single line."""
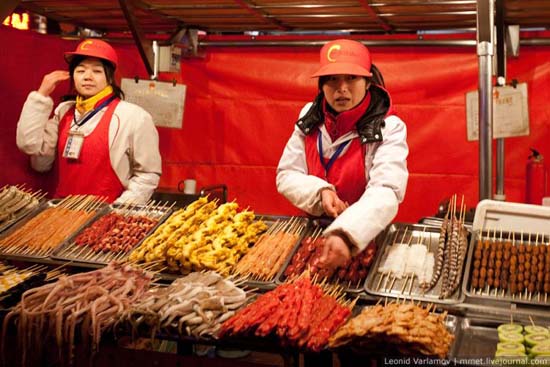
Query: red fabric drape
{"points": [[242, 103]]}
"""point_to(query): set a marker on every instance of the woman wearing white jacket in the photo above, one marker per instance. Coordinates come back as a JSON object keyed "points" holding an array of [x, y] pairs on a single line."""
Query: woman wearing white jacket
{"points": [[347, 156], [97, 144]]}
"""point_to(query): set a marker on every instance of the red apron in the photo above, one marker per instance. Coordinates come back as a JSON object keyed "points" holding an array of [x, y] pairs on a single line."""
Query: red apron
{"points": [[92, 173], [347, 173]]}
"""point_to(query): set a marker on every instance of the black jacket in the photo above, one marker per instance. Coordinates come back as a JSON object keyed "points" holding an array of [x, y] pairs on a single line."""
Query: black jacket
{"points": [[369, 127]]}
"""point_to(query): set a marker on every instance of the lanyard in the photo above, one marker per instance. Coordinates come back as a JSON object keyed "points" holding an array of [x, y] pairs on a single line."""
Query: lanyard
{"points": [[334, 155], [93, 112]]}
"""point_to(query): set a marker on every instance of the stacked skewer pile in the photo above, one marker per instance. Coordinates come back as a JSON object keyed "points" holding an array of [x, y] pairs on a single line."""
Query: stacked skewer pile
{"points": [[92, 301], [408, 262], [113, 235], [301, 314], [267, 256], [194, 305], [307, 257], [451, 252], [203, 236], [511, 268], [49, 228], [411, 329]]}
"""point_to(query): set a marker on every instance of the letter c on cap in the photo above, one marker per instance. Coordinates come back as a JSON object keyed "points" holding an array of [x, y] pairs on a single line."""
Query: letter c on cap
{"points": [[84, 44], [332, 48]]}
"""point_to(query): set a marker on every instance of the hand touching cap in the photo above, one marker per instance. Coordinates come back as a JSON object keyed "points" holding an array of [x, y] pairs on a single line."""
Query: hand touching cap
{"points": [[51, 80]]}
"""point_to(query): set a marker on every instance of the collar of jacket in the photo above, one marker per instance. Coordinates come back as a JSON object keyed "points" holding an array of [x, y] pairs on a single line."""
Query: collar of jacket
{"points": [[369, 126]]}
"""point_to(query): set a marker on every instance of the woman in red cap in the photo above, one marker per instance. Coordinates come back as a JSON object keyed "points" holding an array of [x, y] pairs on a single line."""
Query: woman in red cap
{"points": [[347, 156], [97, 144]]}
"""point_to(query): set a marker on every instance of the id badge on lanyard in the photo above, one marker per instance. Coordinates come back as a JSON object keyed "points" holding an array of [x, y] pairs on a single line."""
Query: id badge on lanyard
{"points": [[73, 146]]}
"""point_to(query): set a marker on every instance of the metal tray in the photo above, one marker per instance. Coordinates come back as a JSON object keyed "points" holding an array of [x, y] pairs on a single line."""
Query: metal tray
{"points": [[477, 338], [69, 251], [378, 284], [17, 254], [315, 225], [491, 293], [270, 220]]}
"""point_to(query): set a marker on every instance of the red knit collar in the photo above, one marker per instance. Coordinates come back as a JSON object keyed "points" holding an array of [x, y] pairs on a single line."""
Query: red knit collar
{"points": [[345, 121]]}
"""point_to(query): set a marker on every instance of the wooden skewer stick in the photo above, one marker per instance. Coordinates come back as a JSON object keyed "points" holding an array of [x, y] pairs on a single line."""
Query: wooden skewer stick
{"points": [[381, 277], [411, 285], [404, 285], [392, 283]]}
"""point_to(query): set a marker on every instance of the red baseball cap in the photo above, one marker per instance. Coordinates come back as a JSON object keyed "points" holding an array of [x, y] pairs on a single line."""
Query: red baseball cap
{"points": [[94, 48], [344, 57]]}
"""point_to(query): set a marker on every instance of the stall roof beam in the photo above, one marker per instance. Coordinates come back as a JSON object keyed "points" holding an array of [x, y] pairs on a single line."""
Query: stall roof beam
{"points": [[423, 2], [319, 43], [260, 15], [385, 26], [144, 47]]}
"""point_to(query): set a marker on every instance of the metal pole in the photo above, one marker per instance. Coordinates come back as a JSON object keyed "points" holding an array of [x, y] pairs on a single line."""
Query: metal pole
{"points": [[156, 60], [320, 43], [485, 56], [501, 81], [371, 43]]}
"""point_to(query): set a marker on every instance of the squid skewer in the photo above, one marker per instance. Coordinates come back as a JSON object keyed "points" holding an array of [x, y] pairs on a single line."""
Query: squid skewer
{"points": [[440, 254]]}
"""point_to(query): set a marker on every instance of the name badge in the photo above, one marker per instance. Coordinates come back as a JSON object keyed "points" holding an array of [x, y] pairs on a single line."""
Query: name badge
{"points": [[73, 146]]}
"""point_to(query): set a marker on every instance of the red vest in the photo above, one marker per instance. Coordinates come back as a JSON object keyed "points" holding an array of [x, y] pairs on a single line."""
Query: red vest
{"points": [[347, 174], [92, 173]]}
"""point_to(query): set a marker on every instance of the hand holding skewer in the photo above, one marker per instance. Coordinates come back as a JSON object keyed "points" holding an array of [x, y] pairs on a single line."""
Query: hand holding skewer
{"points": [[332, 204], [336, 251]]}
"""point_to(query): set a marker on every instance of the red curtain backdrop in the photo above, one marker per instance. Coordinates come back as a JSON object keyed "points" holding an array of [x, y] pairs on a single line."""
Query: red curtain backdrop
{"points": [[242, 103]]}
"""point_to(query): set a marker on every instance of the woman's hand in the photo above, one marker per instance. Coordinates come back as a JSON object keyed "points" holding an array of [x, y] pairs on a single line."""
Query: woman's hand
{"points": [[332, 205], [51, 80], [336, 252]]}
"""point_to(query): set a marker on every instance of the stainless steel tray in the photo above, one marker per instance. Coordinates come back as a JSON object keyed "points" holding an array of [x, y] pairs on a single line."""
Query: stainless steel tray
{"points": [[70, 251], [380, 284], [477, 338], [22, 253], [500, 294], [350, 288]]}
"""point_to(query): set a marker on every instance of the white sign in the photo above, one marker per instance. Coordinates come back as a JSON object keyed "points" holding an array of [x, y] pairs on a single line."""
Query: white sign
{"points": [[164, 101], [510, 112]]}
